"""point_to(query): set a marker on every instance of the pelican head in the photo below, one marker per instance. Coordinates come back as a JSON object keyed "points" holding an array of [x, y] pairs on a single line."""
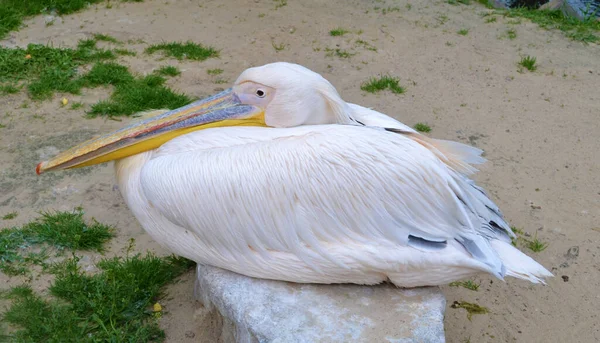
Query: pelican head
{"points": [[273, 95]]}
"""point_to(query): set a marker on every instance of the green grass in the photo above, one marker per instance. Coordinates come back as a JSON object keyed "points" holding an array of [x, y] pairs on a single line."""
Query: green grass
{"points": [[280, 3], [9, 216], [422, 127], [45, 69], [188, 50], [9, 89], [470, 307], [168, 71], [144, 93], [390, 9], [511, 34], [214, 71], [125, 52], [76, 105], [491, 20], [114, 305], [528, 62], [12, 12], [517, 231], [586, 31], [338, 32], [341, 53], [536, 245], [61, 230], [463, 32], [384, 82], [366, 45], [108, 74], [465, 284], [106, 38], [456, 2]]}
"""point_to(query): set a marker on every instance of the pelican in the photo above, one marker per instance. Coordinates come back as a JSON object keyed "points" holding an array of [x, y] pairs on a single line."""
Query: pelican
{"points": [[279, 178]]}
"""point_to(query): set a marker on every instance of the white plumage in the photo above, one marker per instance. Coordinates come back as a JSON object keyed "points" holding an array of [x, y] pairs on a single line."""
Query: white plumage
{"points": [[331, 192]]}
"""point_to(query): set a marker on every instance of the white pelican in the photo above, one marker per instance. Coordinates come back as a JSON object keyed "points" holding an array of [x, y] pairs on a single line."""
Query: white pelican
{"points": [[279, 178]]}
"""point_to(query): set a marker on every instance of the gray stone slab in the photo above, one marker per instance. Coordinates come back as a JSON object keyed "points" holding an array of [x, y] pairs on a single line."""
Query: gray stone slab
{"points": [[256, 310]]}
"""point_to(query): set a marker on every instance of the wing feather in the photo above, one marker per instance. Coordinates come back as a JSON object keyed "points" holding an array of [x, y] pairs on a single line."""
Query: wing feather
{"points": [[247, 190], [457, 155]]}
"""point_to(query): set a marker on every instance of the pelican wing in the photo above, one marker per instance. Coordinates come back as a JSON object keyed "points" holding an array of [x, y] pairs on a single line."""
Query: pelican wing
{"points": [[456, 155], [301, 190]]}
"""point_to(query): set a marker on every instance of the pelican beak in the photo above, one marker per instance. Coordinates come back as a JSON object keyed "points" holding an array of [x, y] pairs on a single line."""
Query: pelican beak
{"points": [[223, 109]]}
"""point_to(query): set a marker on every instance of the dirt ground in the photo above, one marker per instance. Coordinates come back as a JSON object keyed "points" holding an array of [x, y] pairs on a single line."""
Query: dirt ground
{"points": [[539, 130]]}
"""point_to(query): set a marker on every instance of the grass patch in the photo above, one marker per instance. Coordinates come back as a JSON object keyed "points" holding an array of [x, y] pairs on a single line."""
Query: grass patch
{"points": [[59, 230], [463, 32], [108, 74], [338, 32], [511, 34], [168, 71], [114, 305], [517, 231], [382, 83], [138, 95], [214, 71], [9, 89], [528, 62], [390, 9], [366, 45], [586, 30], [465, 284], [456, 2], [106, 38], [45, 69], [188, 50], [125, 52], [280, 3], [9, 216], [12, 12], [470, 307], [76, 105], [422, 127], [491, 20], [341, 53], [536, 245]]}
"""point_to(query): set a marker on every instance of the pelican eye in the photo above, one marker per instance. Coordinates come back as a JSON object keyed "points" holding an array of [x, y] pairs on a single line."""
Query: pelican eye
{"points": [[260, 93]]}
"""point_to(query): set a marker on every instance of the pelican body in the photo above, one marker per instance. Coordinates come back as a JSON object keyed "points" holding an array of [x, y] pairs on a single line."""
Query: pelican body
{"points": [[279, 178]]}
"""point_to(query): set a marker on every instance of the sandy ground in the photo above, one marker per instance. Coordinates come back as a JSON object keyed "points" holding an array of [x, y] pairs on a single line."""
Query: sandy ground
{"points": [[539, 131]]}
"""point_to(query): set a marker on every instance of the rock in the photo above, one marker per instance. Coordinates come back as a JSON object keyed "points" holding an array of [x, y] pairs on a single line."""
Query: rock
{"points": [[552, 5], [581, 9], [190, 334], [565, 278], [256, 310], [500, 3]]}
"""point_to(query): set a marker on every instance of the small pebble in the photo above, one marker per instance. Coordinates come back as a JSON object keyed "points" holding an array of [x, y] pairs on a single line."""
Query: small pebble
{"points": [[190, 334], [565, 278]]}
